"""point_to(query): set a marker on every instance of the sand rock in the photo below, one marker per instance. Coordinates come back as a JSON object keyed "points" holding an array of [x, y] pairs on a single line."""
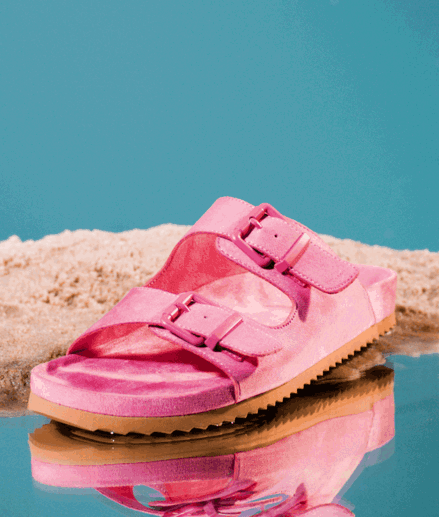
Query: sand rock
{"points": [[53, 289]]}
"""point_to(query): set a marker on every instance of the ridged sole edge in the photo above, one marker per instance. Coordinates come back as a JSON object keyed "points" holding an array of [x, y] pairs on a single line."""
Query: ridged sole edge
{"points": [[124, 425], [72, 446]]}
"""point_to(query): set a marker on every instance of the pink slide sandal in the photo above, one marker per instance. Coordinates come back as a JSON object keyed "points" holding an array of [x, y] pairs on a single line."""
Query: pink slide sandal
{"points": [[249, 307]]}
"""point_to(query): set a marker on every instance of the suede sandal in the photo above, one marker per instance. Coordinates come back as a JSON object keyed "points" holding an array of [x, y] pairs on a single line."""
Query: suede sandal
{"points": [[249, 307]]}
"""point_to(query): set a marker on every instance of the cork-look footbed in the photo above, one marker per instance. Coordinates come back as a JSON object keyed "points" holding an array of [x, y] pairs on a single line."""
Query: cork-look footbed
{"points": [[249, 308]]}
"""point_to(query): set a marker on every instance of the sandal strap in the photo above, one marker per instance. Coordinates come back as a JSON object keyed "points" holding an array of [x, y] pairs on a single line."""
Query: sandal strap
{"points": [[220, 335], [205, 318], [263, 239]]}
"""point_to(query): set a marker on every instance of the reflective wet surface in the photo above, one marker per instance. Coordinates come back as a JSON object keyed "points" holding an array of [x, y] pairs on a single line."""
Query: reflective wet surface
{"points": [[369, 446]]}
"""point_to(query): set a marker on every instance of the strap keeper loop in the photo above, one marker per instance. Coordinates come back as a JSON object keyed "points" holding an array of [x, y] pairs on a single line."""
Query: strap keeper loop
{"points": [[293, 254]]}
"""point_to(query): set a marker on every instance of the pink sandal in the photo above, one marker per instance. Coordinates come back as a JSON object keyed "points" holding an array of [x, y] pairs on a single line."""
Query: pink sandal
{"points": [[249, 307]]}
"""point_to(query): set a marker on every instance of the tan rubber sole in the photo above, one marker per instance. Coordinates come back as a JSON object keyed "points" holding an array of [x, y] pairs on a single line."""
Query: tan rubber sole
{"points": [[124, 425], [64, 445]]}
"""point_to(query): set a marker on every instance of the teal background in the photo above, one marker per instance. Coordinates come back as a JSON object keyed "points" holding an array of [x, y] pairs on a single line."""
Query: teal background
{"points": [[116, 115]]}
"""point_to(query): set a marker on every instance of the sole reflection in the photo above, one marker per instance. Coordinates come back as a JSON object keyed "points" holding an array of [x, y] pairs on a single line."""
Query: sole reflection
{"points": [[289, 459]]}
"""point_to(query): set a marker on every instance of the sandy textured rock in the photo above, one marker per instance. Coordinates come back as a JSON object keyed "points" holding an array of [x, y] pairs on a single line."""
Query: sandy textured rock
{"points": [[53, 289]]}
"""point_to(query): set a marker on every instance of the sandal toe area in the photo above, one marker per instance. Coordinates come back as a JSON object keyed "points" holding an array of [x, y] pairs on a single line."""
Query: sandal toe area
{"points": [[171, 385]]}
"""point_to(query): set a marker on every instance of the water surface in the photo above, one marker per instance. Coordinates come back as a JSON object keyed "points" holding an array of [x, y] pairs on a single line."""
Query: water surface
{"points": [[398, 478]]}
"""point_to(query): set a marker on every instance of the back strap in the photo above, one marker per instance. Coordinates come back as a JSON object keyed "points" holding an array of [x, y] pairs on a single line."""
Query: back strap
{"points": [[271, 240]]}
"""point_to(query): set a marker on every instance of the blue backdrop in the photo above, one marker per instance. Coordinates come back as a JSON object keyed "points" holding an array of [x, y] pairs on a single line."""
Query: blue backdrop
{"points": [[117, 115]]}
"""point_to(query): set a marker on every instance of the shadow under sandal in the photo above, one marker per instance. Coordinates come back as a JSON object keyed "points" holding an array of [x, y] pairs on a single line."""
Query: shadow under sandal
{"points": [[249, 307]]}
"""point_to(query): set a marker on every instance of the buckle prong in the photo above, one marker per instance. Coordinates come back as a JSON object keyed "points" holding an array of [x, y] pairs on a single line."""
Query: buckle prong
{"points": [[251, 221], [255, 222], [181, 305]]}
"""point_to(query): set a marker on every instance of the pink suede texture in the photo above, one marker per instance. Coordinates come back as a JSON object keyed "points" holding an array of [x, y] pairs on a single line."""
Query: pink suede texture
{"points": [[322, 268], [380, 284], [127, 364], [130, 387], [146, 305]]}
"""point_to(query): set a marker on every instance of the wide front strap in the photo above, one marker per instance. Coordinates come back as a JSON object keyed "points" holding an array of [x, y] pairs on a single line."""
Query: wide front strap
{"points": [[218, 334], [197, 320], [271, 240]]}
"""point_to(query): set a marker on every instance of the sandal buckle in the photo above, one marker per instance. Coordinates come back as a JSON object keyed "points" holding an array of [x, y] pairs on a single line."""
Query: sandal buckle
{"points": [[182, 304], [251, 221], [175, 310]]}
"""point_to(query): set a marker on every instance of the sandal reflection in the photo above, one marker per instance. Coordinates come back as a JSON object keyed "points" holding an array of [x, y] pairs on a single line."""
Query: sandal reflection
{"points": [[292, 459]]}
